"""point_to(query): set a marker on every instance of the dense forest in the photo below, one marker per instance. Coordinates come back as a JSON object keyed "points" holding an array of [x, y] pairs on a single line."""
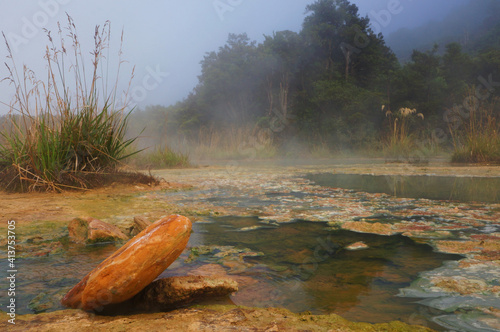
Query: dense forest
{"points": [[336, 83]]}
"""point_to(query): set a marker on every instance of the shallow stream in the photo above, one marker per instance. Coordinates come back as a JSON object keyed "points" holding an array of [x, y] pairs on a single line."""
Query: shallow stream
{"points": [[302, 266], [305, 266], [290, 249]]}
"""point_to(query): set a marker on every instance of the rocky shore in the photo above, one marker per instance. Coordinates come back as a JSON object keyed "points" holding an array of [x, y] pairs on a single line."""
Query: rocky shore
{"points": [[467, 291]]}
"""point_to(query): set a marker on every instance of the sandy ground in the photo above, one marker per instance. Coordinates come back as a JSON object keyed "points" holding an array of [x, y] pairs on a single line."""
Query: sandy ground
{"points": [[62, 207]]}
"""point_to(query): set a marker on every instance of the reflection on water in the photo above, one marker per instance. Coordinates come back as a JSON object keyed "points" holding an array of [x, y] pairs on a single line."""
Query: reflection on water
{"points": [[41, 282], [307, 268], [302, 266], [466, 189]]}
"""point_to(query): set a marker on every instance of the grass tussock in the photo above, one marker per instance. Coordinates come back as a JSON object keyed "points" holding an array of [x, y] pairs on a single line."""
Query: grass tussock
{"points": [[160, 157], [475, 128], [400, 143], [64, 132]]}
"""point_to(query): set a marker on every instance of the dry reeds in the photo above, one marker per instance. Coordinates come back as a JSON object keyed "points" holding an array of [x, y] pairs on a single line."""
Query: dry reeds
{"points": [[400, 141], [475, 129], [64, 131], [233, 142]]}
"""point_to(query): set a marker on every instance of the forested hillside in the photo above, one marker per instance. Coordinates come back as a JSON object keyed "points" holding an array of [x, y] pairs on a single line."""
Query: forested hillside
{"points": [[337, 84]]}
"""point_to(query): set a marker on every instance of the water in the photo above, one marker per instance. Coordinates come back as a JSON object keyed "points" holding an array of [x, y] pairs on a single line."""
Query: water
{"points": [[302, 266], [306, 267], [465, 189], [41, 282]]}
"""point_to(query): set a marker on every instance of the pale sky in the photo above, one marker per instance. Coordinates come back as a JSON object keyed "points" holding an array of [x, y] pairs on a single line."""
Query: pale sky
{"points": [[166, 40]]}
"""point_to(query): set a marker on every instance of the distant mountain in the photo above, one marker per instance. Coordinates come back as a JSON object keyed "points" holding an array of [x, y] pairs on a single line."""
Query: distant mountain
{"points": [[476, 26]]}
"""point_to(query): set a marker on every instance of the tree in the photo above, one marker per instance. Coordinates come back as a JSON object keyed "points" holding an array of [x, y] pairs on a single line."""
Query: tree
{"points": [[457, 68], [329, 24], [229, 81], [280, 54], [421, 84], [344, 70]]}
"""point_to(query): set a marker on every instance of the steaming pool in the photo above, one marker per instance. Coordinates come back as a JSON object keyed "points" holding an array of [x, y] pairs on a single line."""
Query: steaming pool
{"points": [[301, 266], [284, 237]]}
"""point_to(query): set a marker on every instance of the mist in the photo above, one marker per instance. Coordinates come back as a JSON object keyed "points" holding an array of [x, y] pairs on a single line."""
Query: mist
{"points": [[251, 79], [166, 40], [316, 145]]}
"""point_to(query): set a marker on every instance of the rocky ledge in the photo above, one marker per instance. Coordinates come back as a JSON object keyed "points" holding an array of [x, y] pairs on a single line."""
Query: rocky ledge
{"points": [[200, 318]]}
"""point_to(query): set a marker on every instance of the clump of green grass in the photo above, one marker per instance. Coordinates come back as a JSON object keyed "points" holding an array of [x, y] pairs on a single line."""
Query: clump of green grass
{"points": [[476, 131], [161, 157], [64, 132], [400, 142]]}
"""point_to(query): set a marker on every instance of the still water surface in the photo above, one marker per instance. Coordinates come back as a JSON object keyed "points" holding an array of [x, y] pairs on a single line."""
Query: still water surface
{"points": [[465, 189], [302, 266]]}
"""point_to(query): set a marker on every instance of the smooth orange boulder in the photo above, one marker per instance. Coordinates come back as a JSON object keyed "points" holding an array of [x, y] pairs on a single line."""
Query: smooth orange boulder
{"points": [[132, 267]]}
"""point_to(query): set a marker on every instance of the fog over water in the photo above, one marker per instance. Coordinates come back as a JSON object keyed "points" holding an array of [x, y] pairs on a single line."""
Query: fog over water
{"points": [[167, 39]]}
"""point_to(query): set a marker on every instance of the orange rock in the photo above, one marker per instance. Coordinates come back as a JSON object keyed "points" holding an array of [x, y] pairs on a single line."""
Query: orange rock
{"points": [[93, 230], [366, 227], [357, 246], [140, 223], [168, 293], [208, 270], [133, 266]]}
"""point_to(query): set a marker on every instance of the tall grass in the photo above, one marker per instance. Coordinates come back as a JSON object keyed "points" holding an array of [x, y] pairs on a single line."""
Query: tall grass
{"points": [[400, 142], [476, 131], [234, 142], [160, 157], [65, 131]]}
